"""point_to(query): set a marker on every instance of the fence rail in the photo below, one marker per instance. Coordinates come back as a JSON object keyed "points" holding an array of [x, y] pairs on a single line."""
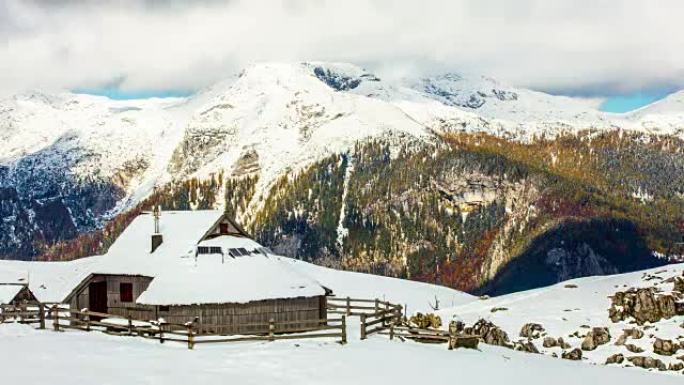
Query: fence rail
{"points": [[64, 318], [375, 315]]}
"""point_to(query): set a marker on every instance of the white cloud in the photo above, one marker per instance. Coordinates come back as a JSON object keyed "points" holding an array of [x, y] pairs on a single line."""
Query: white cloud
{"points": [[567, 46]]}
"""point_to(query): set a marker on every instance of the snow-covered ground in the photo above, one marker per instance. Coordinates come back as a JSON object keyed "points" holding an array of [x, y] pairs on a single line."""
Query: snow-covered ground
{"points": [[45, 357], [572, 306], [74, 356]]}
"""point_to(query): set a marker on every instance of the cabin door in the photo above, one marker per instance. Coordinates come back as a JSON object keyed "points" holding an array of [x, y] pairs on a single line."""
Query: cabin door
{"points": [[97, 293]]}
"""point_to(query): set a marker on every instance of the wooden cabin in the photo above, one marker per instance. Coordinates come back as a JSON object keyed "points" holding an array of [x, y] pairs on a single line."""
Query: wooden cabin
{"points": [[201, 267]]}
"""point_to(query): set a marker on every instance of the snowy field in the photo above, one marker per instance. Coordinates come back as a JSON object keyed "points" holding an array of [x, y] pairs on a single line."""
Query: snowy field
{"points": [[32, 356], [46, 357]]}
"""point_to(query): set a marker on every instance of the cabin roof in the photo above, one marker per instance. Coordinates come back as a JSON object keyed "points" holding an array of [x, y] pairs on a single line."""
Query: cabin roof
{"points": [[182, 277], [8, 292], [50, 282], [216, 278]]}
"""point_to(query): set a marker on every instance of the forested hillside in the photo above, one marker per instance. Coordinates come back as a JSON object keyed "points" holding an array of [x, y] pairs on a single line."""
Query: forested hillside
{"points": [[470, 211]]}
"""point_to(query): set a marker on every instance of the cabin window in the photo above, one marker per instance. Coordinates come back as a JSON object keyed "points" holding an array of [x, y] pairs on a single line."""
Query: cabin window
{"points": [[209, 250], [163, 308], [126, 292], [223, 228]]}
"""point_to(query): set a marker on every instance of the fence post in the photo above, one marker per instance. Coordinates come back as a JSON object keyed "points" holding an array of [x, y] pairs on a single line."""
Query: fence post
{"points": [[41, 315], [130, 325], [348, 306], [363, 326], [86, 318], [191, 339], [271, 330], [161, 332], [344, 329], [391, 331], [377, 307], [55, 318]]}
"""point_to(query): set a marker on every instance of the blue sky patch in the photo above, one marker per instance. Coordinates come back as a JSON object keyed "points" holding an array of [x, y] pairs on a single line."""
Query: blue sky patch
{"points": [[116, 93], [630, 102]]}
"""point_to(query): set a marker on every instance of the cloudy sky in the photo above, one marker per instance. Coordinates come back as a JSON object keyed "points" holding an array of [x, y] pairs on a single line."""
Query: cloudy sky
{"points": [[578, 47]]}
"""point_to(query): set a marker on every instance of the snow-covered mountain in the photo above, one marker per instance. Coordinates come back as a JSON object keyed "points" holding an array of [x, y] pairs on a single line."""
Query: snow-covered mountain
{"points": [[70, 162], [289, 114]]}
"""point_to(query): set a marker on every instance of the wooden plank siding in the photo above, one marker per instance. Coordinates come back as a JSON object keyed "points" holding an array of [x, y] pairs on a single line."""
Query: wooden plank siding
{"points": [[226, 318], [81, 299], [251, 317]]}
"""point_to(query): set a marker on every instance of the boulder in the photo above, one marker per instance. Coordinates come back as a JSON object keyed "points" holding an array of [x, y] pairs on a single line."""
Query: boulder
{"points": [[635, 333], [563, 344], [665, 347], [525, 346], [468, 342], [644, 305], [647, 362], [615, 359], [595, 338], [574, 354], [489, 333], [633, 348], [678, 284], [676, 366], [550, 342], [531, 330], [426, 321]]}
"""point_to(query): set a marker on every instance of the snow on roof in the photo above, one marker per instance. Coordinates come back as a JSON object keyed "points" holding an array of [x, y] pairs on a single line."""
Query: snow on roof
{"points": [[212, 278], [49, 281], [8, 292], [181, 231], [180, 275], [183, 277]]}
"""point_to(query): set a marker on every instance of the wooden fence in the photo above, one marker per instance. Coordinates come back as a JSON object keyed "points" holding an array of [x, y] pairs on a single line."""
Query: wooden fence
{"points": [[375, 315], [188, 332], [61, 317], [25, 314]]}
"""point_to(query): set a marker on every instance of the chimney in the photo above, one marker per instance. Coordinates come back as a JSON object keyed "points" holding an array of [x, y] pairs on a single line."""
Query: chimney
{"points": [[157, 238]]}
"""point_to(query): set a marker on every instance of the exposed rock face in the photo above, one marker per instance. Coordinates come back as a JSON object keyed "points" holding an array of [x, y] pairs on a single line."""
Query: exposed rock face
{"points": [[615, 359], [574, 354], [647, 362], [644, 305], [531, 330], [596, 337], [665, 347]]}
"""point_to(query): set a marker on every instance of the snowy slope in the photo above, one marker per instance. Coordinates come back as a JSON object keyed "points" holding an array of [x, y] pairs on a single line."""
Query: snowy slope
{"points": [[74, 355], [69, 357], [570, 306]]}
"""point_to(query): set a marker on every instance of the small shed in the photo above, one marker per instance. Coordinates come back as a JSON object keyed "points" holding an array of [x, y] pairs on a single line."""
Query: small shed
{"points": [[16, 294]]}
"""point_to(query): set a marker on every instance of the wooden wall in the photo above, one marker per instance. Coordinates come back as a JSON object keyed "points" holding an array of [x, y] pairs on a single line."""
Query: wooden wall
{"points": [[231, 318], [114, 305], [226, 318]]}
